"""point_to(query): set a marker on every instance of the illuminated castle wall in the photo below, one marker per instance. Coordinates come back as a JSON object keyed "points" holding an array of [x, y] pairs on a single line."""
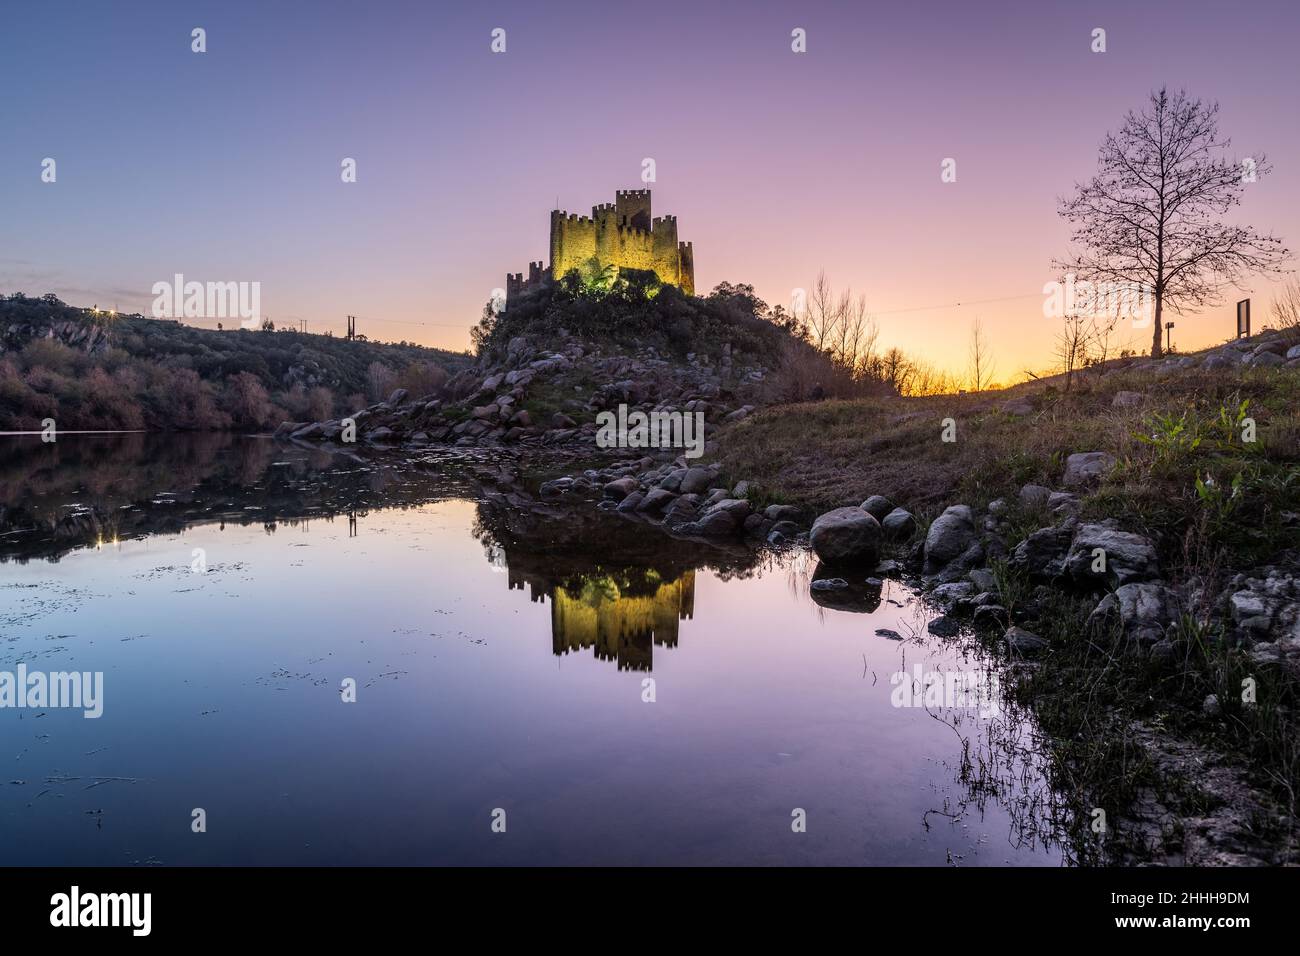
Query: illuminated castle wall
{"points": [[620, 234]]}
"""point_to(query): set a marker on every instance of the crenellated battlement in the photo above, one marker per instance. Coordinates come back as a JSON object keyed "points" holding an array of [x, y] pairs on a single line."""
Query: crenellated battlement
{"points": [[621, 234]]}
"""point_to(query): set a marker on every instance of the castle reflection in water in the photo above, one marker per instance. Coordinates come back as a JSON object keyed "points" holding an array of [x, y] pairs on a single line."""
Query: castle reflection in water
{"points": [[620, 615]]}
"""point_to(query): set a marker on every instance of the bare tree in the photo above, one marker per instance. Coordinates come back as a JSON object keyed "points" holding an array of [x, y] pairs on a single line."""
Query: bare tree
{"points": [[1151, 216], [1103, 328], [897, 370], [823, 314], [856, 346], [1286, 309], [981, 358], [1073, 343]]}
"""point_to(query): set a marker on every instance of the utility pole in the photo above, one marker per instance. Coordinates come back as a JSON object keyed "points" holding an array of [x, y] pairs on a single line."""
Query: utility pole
{"points": [[1168, 338]]}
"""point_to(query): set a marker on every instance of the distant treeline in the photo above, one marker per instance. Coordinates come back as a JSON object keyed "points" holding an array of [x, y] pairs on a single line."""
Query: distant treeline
{"points": [[96, 370]]}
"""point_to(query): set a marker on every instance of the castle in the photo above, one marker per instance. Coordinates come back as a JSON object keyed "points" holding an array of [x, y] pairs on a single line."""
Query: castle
{"points": [[619, 234]]}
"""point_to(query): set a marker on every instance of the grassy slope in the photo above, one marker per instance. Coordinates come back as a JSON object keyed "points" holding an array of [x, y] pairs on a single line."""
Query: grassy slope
{"points": [[833, 453]]}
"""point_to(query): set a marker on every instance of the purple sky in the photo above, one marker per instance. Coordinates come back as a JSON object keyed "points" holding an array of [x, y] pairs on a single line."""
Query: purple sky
{"points": [[224, 166]]}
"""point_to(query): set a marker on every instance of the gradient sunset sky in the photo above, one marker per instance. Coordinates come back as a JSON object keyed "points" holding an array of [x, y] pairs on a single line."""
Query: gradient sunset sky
{"points": [[225, 166]]}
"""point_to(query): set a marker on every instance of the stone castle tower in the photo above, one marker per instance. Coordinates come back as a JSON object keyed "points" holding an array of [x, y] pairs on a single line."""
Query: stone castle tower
{"points": [[620, 234]]}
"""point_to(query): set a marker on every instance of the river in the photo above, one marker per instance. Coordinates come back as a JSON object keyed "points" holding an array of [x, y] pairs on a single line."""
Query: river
{"points": [[311, 657]]}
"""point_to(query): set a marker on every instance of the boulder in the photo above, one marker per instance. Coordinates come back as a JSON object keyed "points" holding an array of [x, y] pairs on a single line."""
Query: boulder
{"points": [[1042, 554], [695, 480], [1143, 612], [878, 506], [1021, 641], [1267, 609], [1060, 503], [1034, 497], [1265, 360], [398, 396], [1217, 360], [1127, 400], [1086, 467], [846, 535], [738, 508], [948, 595], [673, 480], [631, 502], [656, 499], [955, 570], [619, 488], [1125, 558], [555, 487], [990, 615], [898, 525], [684, 509], [950, 535], [781, 513], [713, 523], [944, 626], [713, 496]]}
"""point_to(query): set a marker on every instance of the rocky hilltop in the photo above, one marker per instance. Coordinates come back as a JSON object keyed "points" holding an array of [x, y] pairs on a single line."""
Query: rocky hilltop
{"points": [[547, 391]]}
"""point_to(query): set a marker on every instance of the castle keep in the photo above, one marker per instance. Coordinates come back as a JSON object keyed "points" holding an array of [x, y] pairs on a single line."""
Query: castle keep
{"points": [[621, 234]]}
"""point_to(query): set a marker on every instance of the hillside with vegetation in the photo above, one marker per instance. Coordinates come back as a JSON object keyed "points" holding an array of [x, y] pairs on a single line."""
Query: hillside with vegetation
{"points": [[95, 370]]}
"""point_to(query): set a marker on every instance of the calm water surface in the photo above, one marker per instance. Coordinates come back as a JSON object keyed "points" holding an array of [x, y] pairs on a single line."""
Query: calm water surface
{"points": [[500, 657]]}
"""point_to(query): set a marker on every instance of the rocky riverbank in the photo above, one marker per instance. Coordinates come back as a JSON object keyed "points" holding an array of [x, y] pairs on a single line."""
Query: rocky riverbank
{"points": [[1194, 804]]}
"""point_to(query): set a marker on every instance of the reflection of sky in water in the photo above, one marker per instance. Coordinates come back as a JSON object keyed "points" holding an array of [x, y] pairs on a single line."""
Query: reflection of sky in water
{"points": [[475, 692]]}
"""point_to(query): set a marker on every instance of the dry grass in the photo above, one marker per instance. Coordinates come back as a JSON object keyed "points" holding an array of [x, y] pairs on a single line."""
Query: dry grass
{"points": [[827, 454]]}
